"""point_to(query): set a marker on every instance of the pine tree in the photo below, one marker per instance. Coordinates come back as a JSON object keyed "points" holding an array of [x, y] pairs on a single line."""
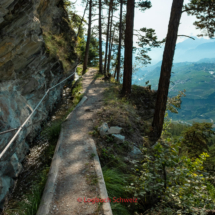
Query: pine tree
{"points": [[88, 38], [100, 36], [127, 75], [196, 138], [120, 42], [204, 11], [107, 36], [166, 67]]}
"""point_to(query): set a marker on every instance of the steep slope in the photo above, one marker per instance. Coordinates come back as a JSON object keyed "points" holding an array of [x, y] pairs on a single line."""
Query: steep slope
{"points": [[36, 52]]}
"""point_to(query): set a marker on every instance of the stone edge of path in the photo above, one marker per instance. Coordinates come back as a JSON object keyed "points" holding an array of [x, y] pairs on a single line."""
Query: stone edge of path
{"points": [[50, 186], [53, 173], [78, 105], [102, 187], [51, 181]]}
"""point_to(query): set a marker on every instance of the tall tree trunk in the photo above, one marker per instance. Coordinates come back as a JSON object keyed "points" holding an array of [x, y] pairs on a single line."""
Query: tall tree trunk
{"points": [[120, 42], [116, 61], [115, 72], [166, 67], [110, 45], [110, 51], [100, 36], [79, 27], [127, 76], [106, 49], [88, 38]]}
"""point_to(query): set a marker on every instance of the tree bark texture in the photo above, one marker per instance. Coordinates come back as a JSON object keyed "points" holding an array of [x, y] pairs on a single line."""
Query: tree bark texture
{"points": [[166, 67], [110, 45], [88, 38], [127, 76], [107, 37], [100, 36], [79, 27], [120, 42]]}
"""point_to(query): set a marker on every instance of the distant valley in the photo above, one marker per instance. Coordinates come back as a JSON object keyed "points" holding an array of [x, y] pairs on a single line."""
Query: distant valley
{"points": [[197, 78]]}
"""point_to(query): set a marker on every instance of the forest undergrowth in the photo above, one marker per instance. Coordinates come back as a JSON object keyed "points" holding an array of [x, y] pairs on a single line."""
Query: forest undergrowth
{"points": [[166, 177]]}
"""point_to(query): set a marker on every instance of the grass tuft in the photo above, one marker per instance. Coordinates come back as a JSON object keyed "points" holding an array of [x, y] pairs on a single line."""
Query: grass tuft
{"points": [[116, 183], [56, 46]]}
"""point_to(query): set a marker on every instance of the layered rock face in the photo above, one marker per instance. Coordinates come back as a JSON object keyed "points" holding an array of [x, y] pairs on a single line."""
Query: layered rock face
{"points": [[36, 52]]}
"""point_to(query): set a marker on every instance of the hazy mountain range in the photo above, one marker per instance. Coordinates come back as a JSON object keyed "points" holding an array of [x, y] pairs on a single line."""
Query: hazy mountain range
{"points": [[197, 77], [188, 50]]}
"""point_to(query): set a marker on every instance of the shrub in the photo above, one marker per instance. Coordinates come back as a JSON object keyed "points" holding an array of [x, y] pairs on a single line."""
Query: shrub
{"points": [[196, 138], [172, 184]]}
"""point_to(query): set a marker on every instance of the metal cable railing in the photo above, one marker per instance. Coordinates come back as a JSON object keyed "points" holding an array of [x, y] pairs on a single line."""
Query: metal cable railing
{"points": [[22, 126]]}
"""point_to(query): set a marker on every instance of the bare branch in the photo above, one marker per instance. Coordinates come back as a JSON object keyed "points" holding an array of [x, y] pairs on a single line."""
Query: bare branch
{"points": [[186, 36], [74, 2], [186, 10]]}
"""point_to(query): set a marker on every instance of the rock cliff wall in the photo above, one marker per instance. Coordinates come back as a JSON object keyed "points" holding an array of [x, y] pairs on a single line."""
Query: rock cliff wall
{"points": [[36, 52]]}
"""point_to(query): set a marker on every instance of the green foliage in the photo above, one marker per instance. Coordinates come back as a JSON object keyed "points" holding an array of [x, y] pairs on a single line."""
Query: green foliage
{"points": [[79, 70], [93, 51], [76, 23], [172, 184], [76, 93], [175, 129], [106, 154], [95, 132], [204, 11], [30, 204], [174, 103], [53, 131], [146, 41], [66, 3], [116, 182], [144, 5], [210, 162], [56, 46], [195, 138], [166, 126]]}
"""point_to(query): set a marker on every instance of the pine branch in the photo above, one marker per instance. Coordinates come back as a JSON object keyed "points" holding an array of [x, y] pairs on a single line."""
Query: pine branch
{"points": [[186, 36]]}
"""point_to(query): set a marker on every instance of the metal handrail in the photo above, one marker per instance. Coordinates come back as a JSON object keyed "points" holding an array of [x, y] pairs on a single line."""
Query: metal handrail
{"points": [[8, 131], [21, 127]]}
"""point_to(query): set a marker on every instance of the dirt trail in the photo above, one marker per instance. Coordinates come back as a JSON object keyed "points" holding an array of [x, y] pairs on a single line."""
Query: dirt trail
{"points": [[74, 173]]}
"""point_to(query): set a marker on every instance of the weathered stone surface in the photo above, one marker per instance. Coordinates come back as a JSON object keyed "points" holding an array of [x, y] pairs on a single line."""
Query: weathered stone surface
{"points": [[27, 70], [103, 129], [11, 168], [119, 138], [135, 151], [114, 130], [5, 184]]}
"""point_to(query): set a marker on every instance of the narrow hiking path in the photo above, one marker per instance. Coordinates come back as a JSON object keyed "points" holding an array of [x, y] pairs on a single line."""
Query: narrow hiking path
{"points": [[74, 173]]}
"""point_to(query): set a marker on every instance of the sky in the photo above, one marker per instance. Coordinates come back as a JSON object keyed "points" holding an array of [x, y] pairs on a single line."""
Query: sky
{"points": [[157, 17]]}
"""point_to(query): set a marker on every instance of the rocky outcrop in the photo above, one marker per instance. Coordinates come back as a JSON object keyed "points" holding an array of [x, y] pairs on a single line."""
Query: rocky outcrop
{"points": [[36, 52]]}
